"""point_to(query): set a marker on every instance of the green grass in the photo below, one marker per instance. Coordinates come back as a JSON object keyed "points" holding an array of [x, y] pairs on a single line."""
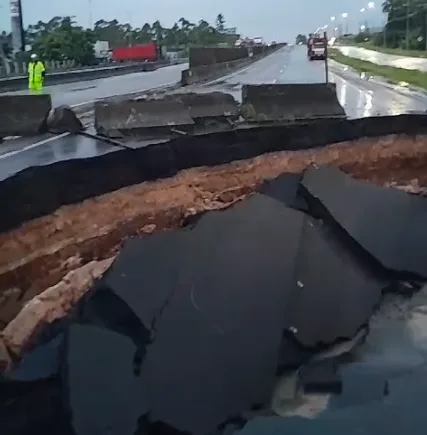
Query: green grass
{"points": [[396, 51], [391, 74]]}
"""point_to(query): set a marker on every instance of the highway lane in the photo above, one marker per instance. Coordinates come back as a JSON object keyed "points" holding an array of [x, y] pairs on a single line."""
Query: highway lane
{"points": [[359, 97], [79, 93], [373, 56]]}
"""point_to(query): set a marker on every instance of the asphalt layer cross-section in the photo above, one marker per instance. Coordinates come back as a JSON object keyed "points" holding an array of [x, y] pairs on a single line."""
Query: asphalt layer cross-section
{"points": [[360, 97]]}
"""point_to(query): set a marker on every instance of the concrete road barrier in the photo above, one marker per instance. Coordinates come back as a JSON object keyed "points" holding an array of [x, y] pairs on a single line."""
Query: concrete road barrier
{"points": [[115, 118], [24, 115], [290, 102], [203, 56], [171, 114], [209, 105], [205, 73]]}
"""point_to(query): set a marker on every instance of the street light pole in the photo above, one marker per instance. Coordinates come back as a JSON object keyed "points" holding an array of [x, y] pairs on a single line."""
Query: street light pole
{"points": [[16, 25], [425, 34], [90, 14], [407, 24], [345, 16]]}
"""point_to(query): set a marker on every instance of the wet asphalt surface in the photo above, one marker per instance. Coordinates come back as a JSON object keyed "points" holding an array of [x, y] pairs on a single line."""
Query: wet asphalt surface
{"points": [[405, 62], [79, 93], [359, 97]]}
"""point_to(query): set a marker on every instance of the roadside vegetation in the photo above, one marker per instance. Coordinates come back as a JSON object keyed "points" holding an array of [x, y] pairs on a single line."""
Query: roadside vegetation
{"points": [[62, 38], [389, 50], [404, 34], [391, 74]]}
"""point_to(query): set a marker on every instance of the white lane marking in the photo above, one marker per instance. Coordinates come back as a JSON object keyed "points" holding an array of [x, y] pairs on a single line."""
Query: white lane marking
{"points": [[34, 145]]}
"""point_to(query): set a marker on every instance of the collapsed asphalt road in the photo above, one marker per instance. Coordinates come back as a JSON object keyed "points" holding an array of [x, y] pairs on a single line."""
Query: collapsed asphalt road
{"points": [[190, 330]]}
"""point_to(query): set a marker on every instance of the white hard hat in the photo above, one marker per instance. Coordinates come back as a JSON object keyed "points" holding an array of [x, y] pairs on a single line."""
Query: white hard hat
{"points": [[34, 56]]}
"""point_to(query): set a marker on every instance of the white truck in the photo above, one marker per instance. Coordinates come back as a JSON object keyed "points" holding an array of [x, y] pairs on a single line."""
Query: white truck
{"points": [[102, 51]]}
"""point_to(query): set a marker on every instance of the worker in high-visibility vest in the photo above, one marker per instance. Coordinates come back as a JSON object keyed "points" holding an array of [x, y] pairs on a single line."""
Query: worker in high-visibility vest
{"points": [[36, 75]]}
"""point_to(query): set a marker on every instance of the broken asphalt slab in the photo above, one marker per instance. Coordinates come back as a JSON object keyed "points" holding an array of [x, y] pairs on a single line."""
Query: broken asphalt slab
{"points": [[196, 318], [336, 293], [213, 322], [387, 223], [102, 391], [284, 188], [202, 317]]}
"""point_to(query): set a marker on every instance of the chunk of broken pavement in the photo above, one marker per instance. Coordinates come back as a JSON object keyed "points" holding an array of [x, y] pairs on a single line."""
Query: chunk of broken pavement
{"points": [[334, 294], [390, 225], [213, 299], [103, 393], [217, 341], [62, 119], [284, 188]]}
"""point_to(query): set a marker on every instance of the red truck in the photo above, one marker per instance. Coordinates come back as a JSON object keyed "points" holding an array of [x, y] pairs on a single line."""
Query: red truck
{"points": [[316, 47], [137, 53]]}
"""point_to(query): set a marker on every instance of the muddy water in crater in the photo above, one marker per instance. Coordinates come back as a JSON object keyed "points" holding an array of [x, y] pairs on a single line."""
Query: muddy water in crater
{"points": [[41, 252]]}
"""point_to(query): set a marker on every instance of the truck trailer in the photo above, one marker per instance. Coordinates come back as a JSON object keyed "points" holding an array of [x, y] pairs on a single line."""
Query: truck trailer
{"points": [[137, 53], [316, 47]]}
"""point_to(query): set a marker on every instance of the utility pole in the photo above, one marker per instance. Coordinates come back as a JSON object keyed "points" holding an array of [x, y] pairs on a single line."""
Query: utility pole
{"points": [[18, 43], [407, 24], [90, 14], [325, 37]]}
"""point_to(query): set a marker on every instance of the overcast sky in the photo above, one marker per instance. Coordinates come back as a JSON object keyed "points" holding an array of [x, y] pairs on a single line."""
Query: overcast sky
{"points": [[273, 19]]}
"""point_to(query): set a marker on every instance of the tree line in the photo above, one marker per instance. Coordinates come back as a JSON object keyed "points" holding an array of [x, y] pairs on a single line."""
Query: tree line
{"points": [[62, 38], [406, 26]]}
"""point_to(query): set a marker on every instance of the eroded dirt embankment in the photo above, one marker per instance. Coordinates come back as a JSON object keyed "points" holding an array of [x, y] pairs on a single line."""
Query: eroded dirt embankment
{"points": [[68, 249]]}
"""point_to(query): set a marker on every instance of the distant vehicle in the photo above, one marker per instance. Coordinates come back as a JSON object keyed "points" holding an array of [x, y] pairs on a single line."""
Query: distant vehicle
{"points": [[316, 47], [102, 50], [137, 53]]}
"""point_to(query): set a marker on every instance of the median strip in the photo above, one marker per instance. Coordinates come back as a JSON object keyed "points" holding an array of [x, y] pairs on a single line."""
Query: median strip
{"points": [[391, 74]]}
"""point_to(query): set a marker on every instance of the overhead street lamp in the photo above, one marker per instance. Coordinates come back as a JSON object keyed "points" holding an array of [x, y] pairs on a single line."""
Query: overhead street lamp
{"points": [[370, 5], [344, 16]]}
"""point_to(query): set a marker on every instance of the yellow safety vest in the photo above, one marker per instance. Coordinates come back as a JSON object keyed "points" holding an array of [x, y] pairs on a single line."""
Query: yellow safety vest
{"points": [[35, 71]]}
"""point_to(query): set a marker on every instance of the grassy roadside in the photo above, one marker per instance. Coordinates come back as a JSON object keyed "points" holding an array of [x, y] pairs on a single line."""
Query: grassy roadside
{"points": [[396, 51], [391, 74]]}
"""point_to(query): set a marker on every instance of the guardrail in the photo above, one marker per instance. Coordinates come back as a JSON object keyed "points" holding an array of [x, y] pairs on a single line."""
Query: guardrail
{"points": [[20, 82]]}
